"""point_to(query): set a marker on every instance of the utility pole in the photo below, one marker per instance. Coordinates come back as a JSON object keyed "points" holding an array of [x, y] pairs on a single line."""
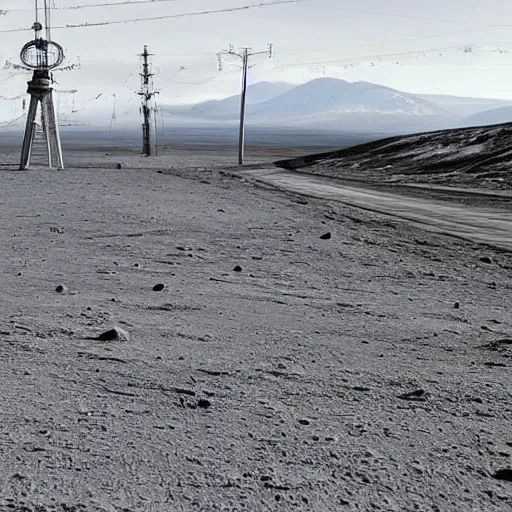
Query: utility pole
{"points": [[244, 54], [146, 92]]}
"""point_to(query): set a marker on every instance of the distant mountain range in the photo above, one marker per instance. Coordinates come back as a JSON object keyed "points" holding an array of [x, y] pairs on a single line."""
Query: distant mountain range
{"points": [[329, 103], [320, 106], [465, 106], [230, 107], [489, 117]]}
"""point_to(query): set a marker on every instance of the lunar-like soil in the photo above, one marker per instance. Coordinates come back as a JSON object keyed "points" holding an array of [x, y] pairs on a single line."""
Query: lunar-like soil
{"points": [[277, 369]]}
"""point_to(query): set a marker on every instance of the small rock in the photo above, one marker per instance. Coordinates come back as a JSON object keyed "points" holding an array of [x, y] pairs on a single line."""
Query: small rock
{"points": [[456, 305], [362, 389], [326, 236], [238, 268], [304, 422], [61, 289], [114, 334], [158, 287], [203, 403], [119, 166], [413, 395], [503, 474], [486, 259]]}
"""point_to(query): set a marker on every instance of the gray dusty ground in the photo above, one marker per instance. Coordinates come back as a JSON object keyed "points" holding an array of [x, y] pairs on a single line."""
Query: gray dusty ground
{"points": [[490, 226], [273, 388]]}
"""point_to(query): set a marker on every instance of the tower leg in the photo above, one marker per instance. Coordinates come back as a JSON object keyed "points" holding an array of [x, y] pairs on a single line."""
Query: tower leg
{"points": [[40, 91], [55, 159], [30, 128], [46, 131]]}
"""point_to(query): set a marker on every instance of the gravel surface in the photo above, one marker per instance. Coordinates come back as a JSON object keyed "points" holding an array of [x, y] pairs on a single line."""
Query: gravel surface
{"points": [[277, 369]]}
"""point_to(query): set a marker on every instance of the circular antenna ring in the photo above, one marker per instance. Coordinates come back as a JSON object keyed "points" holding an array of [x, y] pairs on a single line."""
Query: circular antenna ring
{"points": [[42, 54]]}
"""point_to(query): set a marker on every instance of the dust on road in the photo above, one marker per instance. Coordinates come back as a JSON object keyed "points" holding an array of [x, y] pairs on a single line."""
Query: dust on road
{"points": [[483, 225]]}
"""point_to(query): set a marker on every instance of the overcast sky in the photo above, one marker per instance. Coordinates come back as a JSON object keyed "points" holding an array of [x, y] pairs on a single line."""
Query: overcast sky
{"points": [[461, 47]]}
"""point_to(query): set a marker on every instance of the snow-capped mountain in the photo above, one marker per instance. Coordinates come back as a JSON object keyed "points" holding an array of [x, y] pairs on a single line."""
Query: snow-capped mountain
{"points": [[328, 96], [229, 108], [329, 103]]}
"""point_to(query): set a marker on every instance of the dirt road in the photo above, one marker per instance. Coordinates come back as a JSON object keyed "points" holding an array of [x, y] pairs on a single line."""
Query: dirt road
{"points": [[484, 225], [368, 371]]}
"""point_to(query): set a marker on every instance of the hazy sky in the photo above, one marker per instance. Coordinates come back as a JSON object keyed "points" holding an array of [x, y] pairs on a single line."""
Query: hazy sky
{"points": [[461, 47]]}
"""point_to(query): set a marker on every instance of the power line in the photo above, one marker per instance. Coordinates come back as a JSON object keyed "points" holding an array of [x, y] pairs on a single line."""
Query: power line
{"points": [[162, 17], [87, 6], [382, 13], [367, 57]]}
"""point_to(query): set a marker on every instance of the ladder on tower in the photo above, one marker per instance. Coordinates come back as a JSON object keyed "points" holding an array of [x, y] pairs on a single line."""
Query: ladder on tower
{"points": [[39, 154]]}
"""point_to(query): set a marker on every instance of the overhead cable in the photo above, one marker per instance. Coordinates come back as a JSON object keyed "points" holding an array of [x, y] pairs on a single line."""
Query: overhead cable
{"points": [[162, 17]]}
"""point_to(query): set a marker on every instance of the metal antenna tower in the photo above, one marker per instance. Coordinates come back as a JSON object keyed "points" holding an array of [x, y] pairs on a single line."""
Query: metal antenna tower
{"points": [[147, 93], [244, 54], [42, 55]]}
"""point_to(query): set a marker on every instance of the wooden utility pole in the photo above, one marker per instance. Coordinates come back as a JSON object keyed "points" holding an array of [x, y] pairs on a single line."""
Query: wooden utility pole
{"points": [[244, 54]]}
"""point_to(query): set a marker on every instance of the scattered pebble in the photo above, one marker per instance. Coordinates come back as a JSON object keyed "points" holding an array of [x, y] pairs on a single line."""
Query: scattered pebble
{"points": [[114, 334], [203, 403], [326, 236], [158, 287], [413, 395], [238, 268], [486, 259], [61, 288]]}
